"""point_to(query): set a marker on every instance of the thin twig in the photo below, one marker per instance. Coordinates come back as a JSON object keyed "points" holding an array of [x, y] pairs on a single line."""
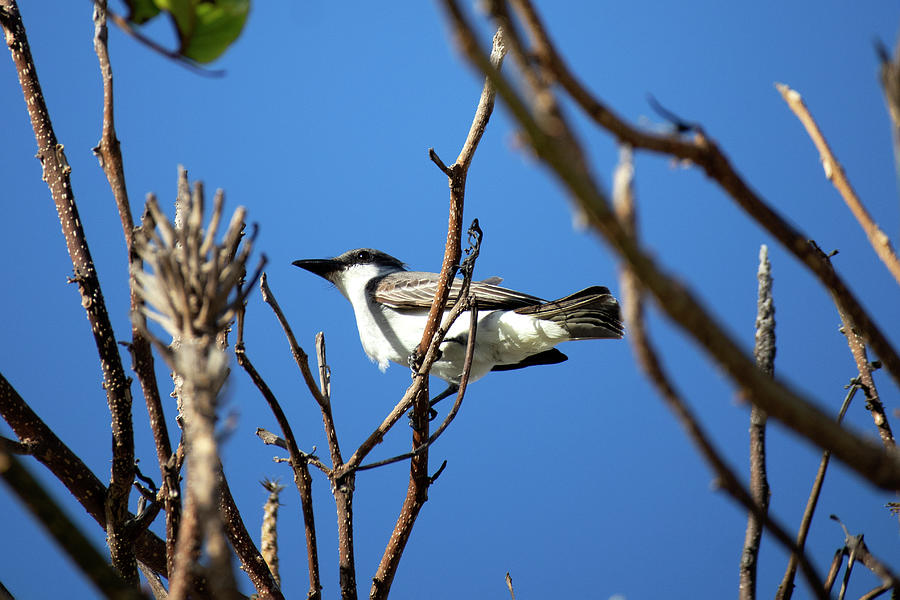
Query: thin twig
{"points": [[864, 368], [835, 568], [301, 358], [786, 588], [509, 586], [649, 361], [889, 74], [269, 535], [834, 172], [881, 467], [875, 592], [764, 351], [299, 460], [154, 582], [14, 447], [859, 552], [472, 304], [419, 479], [109, 154], [325, 388]]}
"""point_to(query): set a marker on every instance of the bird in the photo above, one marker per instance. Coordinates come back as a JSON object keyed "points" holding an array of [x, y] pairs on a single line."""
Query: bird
{"points": [[514, 330]]}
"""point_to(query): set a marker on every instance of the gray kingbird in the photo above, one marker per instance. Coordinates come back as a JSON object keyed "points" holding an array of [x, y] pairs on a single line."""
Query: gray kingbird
{"points": [[515, 330]]}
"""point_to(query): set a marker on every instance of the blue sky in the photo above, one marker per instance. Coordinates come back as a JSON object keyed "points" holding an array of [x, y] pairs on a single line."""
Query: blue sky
{"points": [[574, 477]]}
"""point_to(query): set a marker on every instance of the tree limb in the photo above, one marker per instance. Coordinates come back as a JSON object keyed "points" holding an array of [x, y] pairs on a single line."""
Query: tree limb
{"points": [[56, 172], [881, 467]]}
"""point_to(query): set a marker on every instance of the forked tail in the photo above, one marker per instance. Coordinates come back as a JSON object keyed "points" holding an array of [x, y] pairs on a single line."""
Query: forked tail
{"points": [[592, 313]]}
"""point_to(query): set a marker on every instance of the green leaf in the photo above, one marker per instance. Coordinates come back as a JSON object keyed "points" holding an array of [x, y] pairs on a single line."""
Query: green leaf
{"points": [[141, 11], [205, 28], [218, 23], [184, 13]]}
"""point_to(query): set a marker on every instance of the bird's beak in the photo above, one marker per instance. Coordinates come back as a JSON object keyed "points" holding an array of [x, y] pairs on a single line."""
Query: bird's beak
{"points": [[323, 267]]}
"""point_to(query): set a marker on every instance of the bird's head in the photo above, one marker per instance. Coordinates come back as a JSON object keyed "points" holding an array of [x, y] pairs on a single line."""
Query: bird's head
{"points": [[352, 268]]}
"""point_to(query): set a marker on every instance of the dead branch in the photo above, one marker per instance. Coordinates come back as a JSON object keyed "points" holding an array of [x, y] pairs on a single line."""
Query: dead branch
{"points": [[648, 359], [65, 465], [63, 530], [834, 172], [764, 352], [881, 467], [419, 478], [299, 464], [109, 154], [194, 292], [269, 535], [786, 588], [56, 172], [864, 368], [552, 146]]}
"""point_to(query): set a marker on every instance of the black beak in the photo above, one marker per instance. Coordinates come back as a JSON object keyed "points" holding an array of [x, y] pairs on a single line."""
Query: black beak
{"points": [[323, 267]]}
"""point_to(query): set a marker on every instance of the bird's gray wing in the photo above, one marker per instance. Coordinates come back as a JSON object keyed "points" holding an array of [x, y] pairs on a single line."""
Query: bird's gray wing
{"points": [[415, 290]]}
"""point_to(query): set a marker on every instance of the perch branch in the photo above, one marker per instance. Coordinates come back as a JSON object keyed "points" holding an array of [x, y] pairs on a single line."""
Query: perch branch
{"points": [[419, 478], [472, 305], [864, 368]]}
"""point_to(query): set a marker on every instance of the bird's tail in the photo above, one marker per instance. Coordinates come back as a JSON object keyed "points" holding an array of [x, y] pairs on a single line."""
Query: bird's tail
{"points": [[592, 313]]}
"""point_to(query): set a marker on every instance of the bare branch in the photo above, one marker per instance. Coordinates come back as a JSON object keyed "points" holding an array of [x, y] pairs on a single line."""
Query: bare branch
{"points": [[648, 359], [419, 479], [881, 467], [834, 172], [154, 582], [786, 588], [889, 74], [325, 387], [552, 146], [299, 460], [63, 530], [65, 465], [269, 536], [859, 552], [471, 304], [764, 351], [56, 172], [300, 356], [509, 586], [867, 382]]}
